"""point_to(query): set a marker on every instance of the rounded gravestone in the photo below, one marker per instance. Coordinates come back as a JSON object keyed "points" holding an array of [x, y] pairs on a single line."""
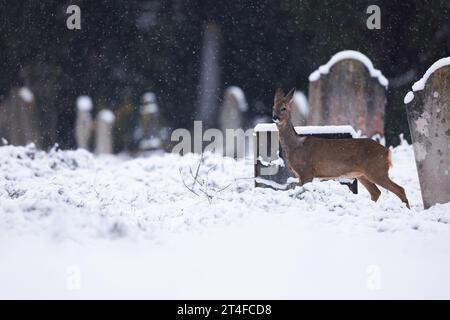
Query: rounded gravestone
{"points": [[83, 123], [232, 110], [231, 117], [428, 110], [20, 121], [152, 132], [348, 90], [104, 139], [299, 114]]}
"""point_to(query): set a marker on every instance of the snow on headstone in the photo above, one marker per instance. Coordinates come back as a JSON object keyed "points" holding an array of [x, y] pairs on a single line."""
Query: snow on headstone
{"points": [[26, 94], [300, 110], [104, 125], [151, 131], [83, 123], [428, 111], [232, 115], [348, 90]]}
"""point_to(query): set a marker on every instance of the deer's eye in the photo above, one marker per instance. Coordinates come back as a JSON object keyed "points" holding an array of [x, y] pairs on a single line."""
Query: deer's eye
{"points": [[283, 109]]}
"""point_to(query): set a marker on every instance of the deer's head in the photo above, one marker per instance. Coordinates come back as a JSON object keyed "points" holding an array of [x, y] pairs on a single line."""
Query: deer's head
{"points": [[281, 111]]}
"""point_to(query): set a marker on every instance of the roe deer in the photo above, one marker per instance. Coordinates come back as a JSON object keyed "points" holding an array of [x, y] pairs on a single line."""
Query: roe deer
{"points": [[312, 157]]}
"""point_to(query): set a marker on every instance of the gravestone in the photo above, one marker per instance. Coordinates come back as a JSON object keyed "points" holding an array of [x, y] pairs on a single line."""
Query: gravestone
{"points": [[300, 110], [209, 75], [83, 123], [104, 138], [19, 118], [151, 133], [126, 118], [348, 90], [270, 167], [428, 110], [232, 116], [46, 81]]}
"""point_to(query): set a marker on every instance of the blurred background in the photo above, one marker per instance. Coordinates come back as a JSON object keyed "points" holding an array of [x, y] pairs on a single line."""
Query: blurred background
{"points": [[128, 48]]}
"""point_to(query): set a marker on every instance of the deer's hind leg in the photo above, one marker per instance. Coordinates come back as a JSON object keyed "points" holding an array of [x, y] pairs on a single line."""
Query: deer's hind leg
{"points": [[371, 187], [390, 185]]}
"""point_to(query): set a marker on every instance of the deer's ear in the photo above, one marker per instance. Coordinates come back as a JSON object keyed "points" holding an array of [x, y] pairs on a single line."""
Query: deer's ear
{"points": [[279, 94], [290, 96]]}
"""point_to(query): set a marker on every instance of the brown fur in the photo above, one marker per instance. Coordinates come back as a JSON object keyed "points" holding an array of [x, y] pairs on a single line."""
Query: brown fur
{"points": [[312, 157], [389, 158]]}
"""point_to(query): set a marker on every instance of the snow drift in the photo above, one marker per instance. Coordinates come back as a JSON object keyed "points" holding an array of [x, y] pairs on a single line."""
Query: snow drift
{"points": [[142, 228]]}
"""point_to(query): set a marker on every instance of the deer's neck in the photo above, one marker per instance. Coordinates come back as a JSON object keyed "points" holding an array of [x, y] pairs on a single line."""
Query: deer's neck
{"points": [[288, 136]]}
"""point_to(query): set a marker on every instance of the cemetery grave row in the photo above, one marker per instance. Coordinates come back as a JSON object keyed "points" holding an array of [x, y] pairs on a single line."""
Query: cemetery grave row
{"points": [[346, 91]]}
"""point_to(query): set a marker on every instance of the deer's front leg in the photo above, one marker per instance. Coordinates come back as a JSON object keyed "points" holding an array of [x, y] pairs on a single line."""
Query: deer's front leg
{"points": [[306, 178], [304, 175]]}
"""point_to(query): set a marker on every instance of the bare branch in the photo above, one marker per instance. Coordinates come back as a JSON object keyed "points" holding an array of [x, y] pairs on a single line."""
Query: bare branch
{"points": [[187, 187], [205, 188], [198, 169]]}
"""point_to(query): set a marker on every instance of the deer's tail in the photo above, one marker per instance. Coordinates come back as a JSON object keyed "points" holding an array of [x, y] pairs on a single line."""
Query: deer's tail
{"points": [[389, 157]]}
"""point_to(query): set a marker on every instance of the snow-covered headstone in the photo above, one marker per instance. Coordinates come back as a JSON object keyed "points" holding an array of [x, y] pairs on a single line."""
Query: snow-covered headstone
{"points": [[232, 115], [19, 118], [151, 132], [104, 138], [83, 123], [428, 110], [271, 169], [348, 90]]}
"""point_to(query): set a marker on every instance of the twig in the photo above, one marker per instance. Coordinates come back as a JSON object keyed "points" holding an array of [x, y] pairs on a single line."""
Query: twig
{"points": [[187, 187], [198, 169], [224, 188], [204, 188]]}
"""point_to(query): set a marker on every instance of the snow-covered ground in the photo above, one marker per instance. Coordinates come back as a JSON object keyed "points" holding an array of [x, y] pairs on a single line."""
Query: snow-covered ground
{"points": [[73, 225]]}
